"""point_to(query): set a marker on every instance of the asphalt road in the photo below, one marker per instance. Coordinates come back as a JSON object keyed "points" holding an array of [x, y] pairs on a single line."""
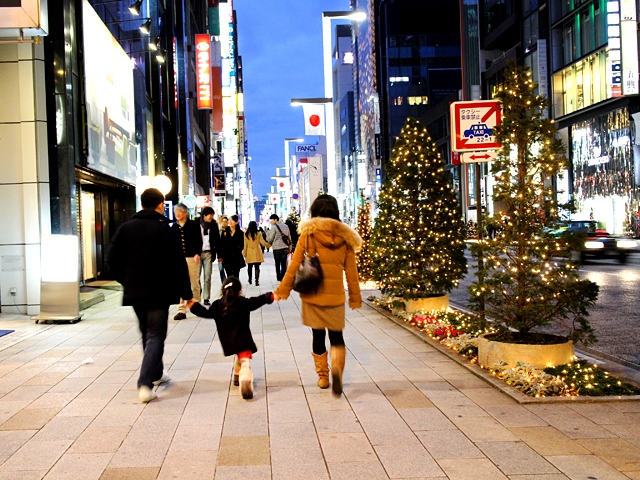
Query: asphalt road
{"points": [[616, 316]]}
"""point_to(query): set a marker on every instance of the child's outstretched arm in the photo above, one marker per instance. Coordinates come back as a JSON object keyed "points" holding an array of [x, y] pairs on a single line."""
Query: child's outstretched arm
{"points": [[200, 310], [257, 302]]}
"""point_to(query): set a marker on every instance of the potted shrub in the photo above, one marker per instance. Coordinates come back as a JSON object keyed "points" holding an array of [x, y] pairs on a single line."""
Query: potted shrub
{"points": [[417, 244], [528, 282]]}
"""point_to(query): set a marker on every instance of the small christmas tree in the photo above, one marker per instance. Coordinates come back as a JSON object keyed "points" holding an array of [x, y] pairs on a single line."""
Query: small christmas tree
{"points": [[528, 279], [417, 244], [363, 258]]}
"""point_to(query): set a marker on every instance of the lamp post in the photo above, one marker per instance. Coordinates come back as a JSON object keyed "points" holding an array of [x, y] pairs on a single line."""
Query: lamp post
{"points": [[354, 16], [289, 167]]}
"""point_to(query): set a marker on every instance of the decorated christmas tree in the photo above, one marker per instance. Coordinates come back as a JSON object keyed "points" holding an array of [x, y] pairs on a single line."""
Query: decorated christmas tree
{"points": [[363, 258], [528, 279], [417, 244]]}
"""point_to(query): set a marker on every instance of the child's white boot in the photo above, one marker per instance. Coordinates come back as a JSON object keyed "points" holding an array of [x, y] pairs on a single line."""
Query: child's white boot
{"points": [[246, 379]]}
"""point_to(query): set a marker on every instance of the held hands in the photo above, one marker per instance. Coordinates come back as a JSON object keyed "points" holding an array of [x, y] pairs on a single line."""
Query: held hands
{"points": [[189, 303], [276, 298]]}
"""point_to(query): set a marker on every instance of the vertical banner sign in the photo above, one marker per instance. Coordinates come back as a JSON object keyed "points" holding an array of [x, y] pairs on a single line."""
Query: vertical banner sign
{"points": [[543, 88], [629, 45], [614, 64], [203, 71], [175, 73], [216, 112], [214, 17], [218, 175], [229, 184]]}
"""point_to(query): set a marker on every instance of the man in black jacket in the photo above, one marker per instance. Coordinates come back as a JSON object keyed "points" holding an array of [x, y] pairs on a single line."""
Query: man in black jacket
{"points": [[146, 258], [189, 235]]}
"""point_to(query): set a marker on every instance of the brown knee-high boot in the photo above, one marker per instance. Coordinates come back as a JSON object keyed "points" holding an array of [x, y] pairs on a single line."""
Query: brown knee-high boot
{"points": [[322, 369], [337, 367]]}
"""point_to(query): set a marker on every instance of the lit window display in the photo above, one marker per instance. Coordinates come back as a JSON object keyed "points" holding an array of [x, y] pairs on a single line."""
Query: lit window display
{"points": [[581, 85], [604, 186]]}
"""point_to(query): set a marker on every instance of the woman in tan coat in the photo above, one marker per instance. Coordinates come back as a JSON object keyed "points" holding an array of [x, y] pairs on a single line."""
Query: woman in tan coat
{"points": [[252, 252], [335, 244]]}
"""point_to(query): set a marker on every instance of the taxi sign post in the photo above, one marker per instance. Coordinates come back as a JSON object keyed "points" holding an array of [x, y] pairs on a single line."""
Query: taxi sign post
{"points": [[473, 124]]}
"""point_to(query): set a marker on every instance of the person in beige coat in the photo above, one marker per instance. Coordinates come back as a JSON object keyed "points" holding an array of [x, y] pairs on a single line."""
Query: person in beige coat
{"points": [[335, 244], [252, 252]]}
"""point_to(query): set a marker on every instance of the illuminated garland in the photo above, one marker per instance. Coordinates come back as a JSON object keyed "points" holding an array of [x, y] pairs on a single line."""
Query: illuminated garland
{"points": [[528, 279], [363, 257], [417, 244]]}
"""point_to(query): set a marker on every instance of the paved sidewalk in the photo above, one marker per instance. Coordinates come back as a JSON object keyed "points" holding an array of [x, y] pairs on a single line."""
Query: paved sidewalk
{"points": [[407, 412]]}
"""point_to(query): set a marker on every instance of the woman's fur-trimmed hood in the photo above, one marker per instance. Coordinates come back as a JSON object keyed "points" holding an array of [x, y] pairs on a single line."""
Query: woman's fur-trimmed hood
{"points": [[330, 233]]}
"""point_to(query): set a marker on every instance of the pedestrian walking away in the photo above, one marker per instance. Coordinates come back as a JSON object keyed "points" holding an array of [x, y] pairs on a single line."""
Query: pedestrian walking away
{"points": [[252, 252], [335, 245], [279, 238], [231, 246], [188, 233], [232, 313], [147, 259], [293, 232], [224, 223], [210, 240]]}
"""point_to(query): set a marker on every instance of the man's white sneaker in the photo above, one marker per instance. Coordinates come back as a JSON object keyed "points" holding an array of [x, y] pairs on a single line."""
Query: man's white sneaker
{"points": [[163, 379], [146, 394]]}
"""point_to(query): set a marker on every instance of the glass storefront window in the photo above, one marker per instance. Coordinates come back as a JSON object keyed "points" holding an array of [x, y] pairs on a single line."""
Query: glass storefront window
{"points": [[581, 85], [604, 187]]}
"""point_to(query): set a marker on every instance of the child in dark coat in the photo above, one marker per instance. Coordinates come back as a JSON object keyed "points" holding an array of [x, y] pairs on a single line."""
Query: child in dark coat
{"points": [[232, 316]]}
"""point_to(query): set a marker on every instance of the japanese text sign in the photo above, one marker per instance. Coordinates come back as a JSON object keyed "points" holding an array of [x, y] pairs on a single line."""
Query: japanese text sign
{"points": [[473, 124]]}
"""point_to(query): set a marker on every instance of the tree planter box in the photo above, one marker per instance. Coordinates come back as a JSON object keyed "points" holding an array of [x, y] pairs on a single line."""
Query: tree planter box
{"points": [[540, 356], [427, 304]]}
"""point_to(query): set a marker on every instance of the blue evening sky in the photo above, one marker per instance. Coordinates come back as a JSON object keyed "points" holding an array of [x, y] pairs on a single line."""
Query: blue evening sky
{"points": [[280, 42]]}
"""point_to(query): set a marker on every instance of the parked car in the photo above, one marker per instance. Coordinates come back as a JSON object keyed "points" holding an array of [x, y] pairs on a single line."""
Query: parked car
{"points": [[599, 244]]}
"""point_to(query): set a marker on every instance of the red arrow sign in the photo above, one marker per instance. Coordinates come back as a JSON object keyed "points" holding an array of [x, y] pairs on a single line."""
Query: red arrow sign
{"points": [[480, 157]]}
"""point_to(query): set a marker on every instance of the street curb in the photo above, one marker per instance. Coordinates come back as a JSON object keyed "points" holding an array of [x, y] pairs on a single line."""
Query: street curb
{"points": [[483, 374]]}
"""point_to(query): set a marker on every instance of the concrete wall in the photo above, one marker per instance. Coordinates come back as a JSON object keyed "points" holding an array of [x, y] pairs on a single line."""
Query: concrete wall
{"points": [[24, 175]]}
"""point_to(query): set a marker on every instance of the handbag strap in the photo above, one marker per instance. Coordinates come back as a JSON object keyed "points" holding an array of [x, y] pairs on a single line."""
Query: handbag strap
{"points": [[281, 234], [315, 251]]}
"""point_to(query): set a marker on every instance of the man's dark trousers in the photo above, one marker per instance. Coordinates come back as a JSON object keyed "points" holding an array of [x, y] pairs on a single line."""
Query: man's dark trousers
{"points": [[280, 256], [153, 326]]}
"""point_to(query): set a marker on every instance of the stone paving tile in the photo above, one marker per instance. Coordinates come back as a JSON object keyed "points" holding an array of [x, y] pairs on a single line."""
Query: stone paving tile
{"points": [[244, 450], [23, 475], [443, 444], [549, 441], [514, 458], [254, 472], [585, 467], [87, 466], [402, 461], [357, 471], [471, 469], [100, 440], [618, 453], [192, 465], [298, 462], [134, 473], [346, 447]]}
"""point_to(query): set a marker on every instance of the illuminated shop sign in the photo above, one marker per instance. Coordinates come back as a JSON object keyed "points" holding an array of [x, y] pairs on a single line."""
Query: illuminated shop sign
{"points": [[614, 65], [629, 45], [203, 72], [175, 74]]}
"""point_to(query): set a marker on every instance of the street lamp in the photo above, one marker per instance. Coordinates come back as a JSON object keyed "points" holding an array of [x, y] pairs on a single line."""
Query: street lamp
{"points": [[144, 28], [354, 16]]}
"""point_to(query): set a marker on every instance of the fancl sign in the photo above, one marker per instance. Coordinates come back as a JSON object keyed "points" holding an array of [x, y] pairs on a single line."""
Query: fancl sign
{"points": [[306, 149]]}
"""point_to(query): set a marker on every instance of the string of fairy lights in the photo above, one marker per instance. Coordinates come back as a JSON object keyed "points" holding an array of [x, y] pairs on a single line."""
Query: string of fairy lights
{"points": [[417, 244], [528, 279]]}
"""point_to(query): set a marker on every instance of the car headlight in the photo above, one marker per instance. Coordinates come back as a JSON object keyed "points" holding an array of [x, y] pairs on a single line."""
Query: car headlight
{"points": [[593, 245], [626, 244]]}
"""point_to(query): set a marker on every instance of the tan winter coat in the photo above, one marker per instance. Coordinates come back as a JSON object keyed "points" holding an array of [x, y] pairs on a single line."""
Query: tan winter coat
{"points": [[252, 252], [336, 244]]}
